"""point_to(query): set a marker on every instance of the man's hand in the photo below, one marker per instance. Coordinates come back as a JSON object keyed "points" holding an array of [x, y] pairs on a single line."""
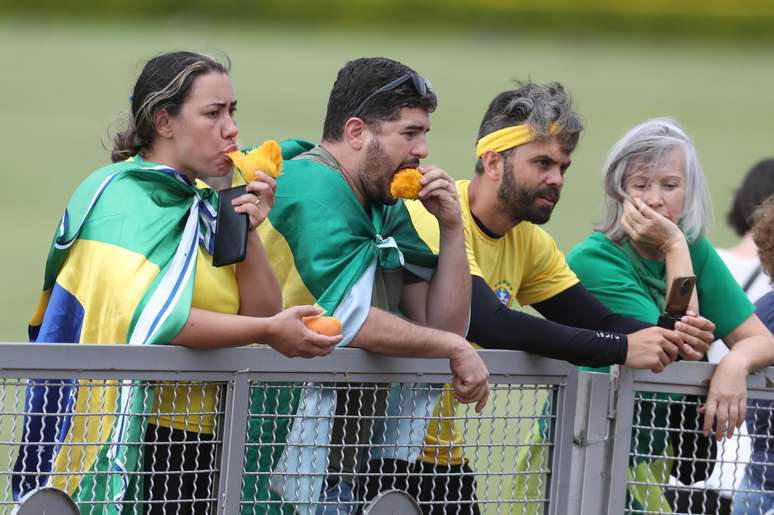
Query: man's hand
{"points": [[291, 337], [652, 348], [697, 334], [439, 196], [470, 375]]}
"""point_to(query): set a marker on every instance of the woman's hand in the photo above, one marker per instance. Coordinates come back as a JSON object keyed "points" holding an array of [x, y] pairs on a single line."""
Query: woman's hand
{"points": [[646, 227], [726, 404], [291, 337], [258, 200]]}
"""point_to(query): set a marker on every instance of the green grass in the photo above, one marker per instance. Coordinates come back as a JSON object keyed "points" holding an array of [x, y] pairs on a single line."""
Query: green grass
{"points": [[63, 83]]}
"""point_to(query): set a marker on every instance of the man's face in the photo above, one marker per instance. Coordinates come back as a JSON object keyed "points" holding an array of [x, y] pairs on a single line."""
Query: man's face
{"points": [[390, 147], [532, 181]]}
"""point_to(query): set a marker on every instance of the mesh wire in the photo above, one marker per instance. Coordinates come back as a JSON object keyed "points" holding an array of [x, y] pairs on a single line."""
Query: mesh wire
{"points": [[153, 444], [337, 461], [674, 468]]}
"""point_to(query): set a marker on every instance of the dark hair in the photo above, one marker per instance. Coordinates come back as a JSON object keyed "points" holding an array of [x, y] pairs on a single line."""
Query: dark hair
{"points": [[762, 228], [164, 83], [361, 77], [537, 105], [756, 187]]}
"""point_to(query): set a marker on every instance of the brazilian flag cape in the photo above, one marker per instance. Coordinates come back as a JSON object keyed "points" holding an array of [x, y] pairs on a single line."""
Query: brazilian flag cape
{"points": [[325, 249], [120, 270]]}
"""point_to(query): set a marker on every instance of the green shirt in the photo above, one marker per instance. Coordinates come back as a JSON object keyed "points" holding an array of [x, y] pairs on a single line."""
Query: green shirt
{"points": [[606, 272]]}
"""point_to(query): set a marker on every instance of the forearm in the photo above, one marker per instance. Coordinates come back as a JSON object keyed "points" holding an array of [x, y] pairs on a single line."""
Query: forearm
{"points": [[448, 298], [211, 330], [259, 292], [577, 307], [495, 326], [753, 353], [385, 333]]}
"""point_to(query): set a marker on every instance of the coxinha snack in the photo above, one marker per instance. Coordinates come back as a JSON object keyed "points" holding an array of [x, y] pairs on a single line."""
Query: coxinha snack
{"points": [[327, 326], [266, 158], [406, 184]]}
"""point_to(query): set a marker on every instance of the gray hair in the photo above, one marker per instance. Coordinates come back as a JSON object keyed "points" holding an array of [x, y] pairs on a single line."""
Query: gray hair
{"points": [[650, 144], [538, 106]]}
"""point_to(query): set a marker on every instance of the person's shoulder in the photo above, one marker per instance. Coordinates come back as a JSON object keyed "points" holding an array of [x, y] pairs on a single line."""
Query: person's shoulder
{"points": [[594, 254], [463, 185], [595, 245], [701, 245], [705, 255], [106, 184]]}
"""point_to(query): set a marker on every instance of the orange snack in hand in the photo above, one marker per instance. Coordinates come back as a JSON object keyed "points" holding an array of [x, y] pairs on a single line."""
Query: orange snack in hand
{"points": [[406, 184], [266, 158], [328, 326]]}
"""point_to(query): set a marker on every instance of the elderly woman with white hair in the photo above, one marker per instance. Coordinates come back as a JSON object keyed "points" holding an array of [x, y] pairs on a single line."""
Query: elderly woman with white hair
{"points": [[653, 230]]}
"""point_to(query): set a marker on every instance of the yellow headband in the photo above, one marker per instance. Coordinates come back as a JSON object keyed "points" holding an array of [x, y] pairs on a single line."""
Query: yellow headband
{"points": [[509, 137]]}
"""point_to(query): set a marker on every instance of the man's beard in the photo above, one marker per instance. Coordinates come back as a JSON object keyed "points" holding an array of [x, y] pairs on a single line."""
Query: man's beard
{"points": [[519, 202], [378, 172]]}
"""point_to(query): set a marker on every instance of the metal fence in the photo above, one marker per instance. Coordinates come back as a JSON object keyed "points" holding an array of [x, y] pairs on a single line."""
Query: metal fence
{"points": [[661, 461], [169, 430]]}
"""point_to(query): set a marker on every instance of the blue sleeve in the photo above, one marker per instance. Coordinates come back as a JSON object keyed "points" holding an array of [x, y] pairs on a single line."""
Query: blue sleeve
{"points": [[764, 308]]}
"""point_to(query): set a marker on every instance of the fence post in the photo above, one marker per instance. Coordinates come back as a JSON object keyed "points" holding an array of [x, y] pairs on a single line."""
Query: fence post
{"points": [[562, 441], [622, 403], [233, 447], [592, 446]]}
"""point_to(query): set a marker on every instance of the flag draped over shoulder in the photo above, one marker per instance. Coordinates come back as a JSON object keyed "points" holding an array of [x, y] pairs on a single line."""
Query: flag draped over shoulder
{"points": [[120, 270], [325, 249]]}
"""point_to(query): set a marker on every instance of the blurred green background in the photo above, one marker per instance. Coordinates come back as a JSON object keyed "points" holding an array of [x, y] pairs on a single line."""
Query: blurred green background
{"points": [[68, 69]]}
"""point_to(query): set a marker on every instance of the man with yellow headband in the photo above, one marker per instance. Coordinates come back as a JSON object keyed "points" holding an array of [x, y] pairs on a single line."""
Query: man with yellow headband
{"points": [[525, 143]]}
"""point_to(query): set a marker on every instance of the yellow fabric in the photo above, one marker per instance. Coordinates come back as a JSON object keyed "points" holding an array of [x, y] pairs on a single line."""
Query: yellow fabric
{"points": [[509, 137], [294, 291], [215, 289], [96, 396], [523, 265]]}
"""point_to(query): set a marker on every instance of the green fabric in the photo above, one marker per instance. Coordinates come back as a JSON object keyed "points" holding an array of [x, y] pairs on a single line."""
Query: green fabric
{"points": [[263, 433], [332, 237], [654, 284]]}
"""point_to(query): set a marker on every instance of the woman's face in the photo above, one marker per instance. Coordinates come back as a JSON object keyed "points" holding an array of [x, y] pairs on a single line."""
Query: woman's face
{"points": [[661, 187], [204, 129]]}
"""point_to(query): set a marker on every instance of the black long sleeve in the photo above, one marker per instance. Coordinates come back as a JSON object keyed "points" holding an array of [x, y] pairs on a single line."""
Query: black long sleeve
{"points": [[577, 307], [495, 326]]}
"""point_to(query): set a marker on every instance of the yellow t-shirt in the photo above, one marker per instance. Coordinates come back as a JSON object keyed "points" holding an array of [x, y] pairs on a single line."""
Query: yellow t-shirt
{"points": [[215, 289], [522, 266]]}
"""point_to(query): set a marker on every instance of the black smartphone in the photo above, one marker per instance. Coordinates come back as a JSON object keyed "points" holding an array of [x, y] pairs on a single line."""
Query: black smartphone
{"points": [[678, 299], [230, 230]]}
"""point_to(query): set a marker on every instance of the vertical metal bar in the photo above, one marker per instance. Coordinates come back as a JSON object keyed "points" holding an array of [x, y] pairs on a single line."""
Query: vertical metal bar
{"points": [[233, 446], [580, 443], [559, 459], [595, 474], [622, 436]]}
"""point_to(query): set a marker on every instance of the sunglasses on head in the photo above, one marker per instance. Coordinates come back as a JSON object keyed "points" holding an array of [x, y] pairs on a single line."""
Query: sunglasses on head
{"points": [[421, 85]]}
